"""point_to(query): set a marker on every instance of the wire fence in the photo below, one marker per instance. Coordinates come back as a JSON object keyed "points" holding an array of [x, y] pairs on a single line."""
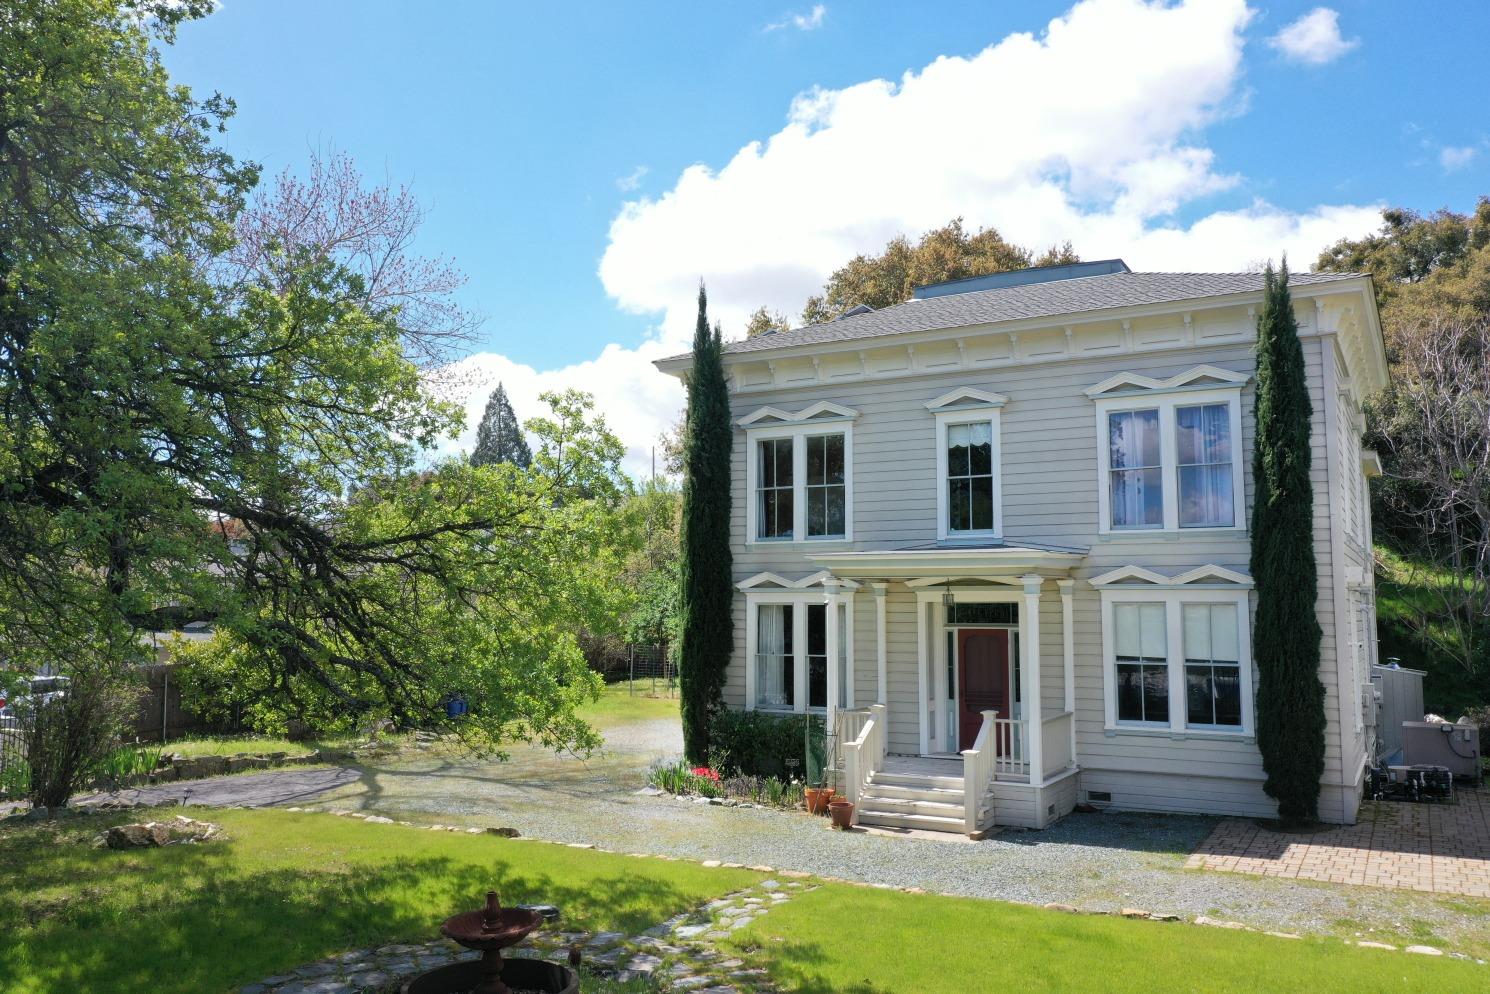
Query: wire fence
{"points": [[15, 773], [650, 669]]}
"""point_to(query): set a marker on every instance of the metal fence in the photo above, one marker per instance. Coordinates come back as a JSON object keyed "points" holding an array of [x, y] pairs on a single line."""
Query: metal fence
{"points": [[14, 771], [650, 668]]}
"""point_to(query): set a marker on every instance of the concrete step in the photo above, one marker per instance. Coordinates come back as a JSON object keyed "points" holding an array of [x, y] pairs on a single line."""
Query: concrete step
{"points": [[944, 795], [909, 806], [926, 823]]}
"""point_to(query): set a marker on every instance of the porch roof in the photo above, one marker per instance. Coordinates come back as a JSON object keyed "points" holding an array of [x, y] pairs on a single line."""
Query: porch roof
{"points": [[992, 560]]}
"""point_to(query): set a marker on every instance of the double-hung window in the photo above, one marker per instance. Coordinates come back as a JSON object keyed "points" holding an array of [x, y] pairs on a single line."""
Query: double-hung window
{"points": [[1142, 663], [1177, 659], [774, 491], [1169, 459], [969, 501], [797, 663], [799, 475], [827, 487], [775, 681]]}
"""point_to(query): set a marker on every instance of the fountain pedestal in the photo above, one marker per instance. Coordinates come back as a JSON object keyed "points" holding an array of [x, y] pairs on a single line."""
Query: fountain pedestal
{"points": [[489, 931]]}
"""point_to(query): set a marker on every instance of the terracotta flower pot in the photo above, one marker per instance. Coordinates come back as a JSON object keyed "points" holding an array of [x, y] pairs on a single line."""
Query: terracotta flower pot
{"points": [[842, 811], [815, 800]]}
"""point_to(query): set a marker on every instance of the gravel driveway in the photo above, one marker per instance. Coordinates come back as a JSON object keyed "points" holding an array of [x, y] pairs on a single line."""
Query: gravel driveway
{"points": [[1096, 862]]}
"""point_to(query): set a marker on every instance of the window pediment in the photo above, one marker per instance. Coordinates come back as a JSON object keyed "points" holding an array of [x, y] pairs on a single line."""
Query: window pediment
{"points": [[823, 410], [966, 398], [1198, 378], [765, 582], [1140, 577]]}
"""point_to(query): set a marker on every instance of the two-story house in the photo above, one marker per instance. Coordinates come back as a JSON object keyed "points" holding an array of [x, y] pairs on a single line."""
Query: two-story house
{"points": [[998, 535]]}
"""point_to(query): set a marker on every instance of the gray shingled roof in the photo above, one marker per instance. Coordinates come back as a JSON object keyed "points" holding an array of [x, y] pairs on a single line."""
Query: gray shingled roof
{"points": [[1039, 300]]}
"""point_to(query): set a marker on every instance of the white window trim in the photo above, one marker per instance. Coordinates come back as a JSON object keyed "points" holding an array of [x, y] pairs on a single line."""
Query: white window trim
{"points": [[798, 433], [966, 405], [798, 599], [1173, 601], [1165, 403]]}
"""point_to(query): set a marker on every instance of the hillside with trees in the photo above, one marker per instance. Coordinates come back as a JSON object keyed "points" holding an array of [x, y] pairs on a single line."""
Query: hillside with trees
{"points": [[1431, 507]]}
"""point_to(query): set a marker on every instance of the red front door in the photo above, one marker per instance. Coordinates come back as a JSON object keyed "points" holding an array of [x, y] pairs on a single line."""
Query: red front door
{"points": [[983, 675]]}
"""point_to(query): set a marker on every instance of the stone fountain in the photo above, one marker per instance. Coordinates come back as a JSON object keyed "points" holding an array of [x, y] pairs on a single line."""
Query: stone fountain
{"points": [[490, 930]]}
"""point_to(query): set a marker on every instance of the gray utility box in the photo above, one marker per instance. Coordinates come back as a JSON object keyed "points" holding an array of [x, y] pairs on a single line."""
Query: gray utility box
{"points": [[1456, 747]]}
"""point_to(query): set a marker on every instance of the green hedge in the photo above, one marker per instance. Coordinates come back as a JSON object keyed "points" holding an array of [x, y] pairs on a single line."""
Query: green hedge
{"points": [[759, 744]]}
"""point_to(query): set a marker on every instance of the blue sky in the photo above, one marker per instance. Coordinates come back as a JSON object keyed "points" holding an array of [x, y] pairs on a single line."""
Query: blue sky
{"points": [[526, 129]]}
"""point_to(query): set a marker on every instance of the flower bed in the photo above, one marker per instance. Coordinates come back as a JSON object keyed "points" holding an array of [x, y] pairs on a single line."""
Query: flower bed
{"points": [[700, 781]]}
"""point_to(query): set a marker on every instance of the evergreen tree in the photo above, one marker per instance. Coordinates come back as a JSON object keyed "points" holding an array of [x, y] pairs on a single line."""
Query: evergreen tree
{"points": [[1290, 697], [499, 438], [705, 582]]}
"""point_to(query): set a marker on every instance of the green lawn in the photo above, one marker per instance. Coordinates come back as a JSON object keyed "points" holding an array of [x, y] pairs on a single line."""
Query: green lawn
{"points": [[286, 889], [232, 745], [854, 940], [618, 705]]}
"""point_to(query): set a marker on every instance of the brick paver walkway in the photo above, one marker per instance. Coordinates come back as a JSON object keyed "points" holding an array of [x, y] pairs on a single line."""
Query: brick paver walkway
{"points": [[1440, 848]]}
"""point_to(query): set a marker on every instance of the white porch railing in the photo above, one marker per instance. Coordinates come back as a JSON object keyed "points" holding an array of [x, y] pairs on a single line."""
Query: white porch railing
{"points": [[1055, 740], [1009, 737], [864, 753], [978, 766]]}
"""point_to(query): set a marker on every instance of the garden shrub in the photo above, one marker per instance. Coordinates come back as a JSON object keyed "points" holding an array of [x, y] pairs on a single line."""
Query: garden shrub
{"points": [[759, 744]]}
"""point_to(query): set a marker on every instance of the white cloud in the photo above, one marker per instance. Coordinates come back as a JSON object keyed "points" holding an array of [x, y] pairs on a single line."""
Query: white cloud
{"points": [[632, 180], [810, 21], [1091, 131], [1313, 39], [1452, 157]]}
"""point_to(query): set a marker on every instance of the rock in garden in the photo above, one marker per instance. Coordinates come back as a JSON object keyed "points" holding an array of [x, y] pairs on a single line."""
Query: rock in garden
{"points": [[151, 834]]}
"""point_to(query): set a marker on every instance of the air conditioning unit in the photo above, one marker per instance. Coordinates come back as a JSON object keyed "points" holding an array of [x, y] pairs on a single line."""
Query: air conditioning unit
{"points": [[1455, 747]]}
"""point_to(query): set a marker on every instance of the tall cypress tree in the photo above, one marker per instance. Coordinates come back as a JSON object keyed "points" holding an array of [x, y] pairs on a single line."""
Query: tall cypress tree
{"points": [[705, 582], [1290, 696], [499, 438]]}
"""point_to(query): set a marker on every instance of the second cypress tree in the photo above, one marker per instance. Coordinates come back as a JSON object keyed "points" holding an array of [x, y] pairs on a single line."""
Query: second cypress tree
{"points": [[1290, 696], [705, 583]]}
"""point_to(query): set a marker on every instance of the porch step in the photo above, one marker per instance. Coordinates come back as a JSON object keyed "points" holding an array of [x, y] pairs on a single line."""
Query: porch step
{"points": [[907, 806], [919, 780], [926, 823], [936, 795], [926, 801]]}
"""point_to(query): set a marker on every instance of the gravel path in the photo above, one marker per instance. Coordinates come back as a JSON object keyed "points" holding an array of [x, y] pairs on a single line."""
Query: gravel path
{"points": [[250, 790]]}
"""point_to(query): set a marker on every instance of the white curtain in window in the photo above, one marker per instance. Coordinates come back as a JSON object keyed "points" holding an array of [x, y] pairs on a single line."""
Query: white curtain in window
{"points": [[1136, 484], [1203, 437], [771, 654]]}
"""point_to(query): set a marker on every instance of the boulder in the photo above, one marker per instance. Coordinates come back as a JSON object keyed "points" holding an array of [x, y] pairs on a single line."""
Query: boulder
{"points": [[151, 834], [504, 831]]}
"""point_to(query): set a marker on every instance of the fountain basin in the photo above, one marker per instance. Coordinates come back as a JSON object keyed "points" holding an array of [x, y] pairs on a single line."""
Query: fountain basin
{"points": [[521, 975]]}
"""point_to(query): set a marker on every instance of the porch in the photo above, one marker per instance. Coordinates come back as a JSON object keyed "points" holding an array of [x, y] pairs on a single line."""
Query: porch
{"points": [[994, 682]]}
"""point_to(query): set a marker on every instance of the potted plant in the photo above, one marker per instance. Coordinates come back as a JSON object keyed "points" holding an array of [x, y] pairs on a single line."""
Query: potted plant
{"points": [[842, 811]]}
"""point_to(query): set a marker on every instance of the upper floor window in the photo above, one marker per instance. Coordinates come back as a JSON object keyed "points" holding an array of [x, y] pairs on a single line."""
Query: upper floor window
{"points": [[799, 474], [970, 477], [969, 500], [827, 487], [1170, 456]]}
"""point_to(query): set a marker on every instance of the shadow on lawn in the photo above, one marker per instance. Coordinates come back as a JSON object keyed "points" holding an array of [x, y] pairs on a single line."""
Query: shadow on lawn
{"points": [[207, 918]]}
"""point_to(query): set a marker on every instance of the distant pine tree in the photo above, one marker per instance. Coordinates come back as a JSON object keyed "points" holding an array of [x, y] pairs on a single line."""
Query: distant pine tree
{"points": [[499, 437], [705, 580], [1290, 696]]}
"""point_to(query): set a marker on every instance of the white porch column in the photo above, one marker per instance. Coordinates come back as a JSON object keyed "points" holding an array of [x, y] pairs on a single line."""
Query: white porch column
{"points": [[881, 659], [1068, 653], [830, 612], [1029, 675], [923, 693]]}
